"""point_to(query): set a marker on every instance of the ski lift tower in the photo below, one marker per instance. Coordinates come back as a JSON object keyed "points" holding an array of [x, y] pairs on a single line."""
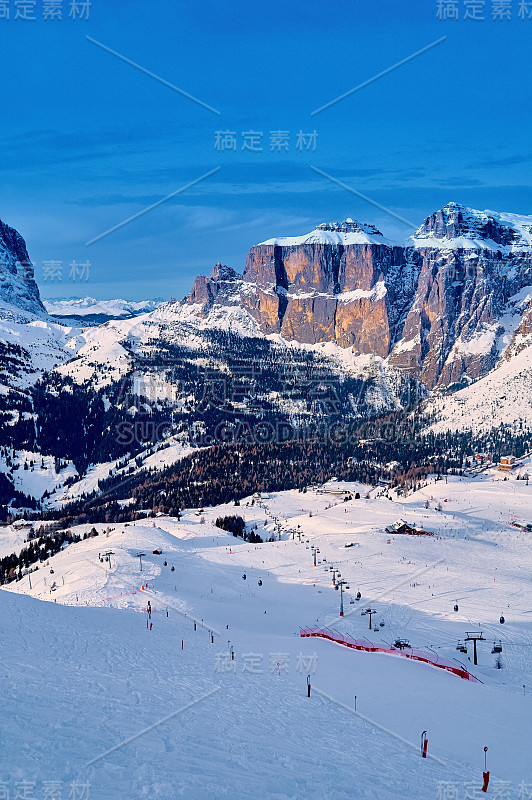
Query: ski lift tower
{"points": [[474, 637], [139, 556], [340, 585], [370, 611], [107, 556]]}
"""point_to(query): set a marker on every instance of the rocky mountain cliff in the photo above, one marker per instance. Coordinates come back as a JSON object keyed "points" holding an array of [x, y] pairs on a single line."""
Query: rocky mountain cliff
{"points": [[442, 306], [17, 284], [319, 332], [445, 306]]}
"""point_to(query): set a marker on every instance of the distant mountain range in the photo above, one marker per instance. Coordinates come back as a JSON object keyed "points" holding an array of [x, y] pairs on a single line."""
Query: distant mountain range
{"points": [[90, 311], [338, 324]]}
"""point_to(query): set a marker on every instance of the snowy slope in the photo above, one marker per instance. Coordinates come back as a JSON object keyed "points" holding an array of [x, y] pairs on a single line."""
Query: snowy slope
{"points": [[258, 735], [158, 456], [98, 355], [38, 344], [103, 358], [39, 477], [502, 397]]}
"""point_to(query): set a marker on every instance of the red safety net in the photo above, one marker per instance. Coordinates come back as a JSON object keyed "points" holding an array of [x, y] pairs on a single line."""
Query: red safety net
{"points": [[407, 652]]}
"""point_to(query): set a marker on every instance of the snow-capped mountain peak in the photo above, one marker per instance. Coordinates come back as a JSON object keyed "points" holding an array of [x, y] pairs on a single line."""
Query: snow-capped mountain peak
{"points": [[334, 233], [458, 227]]}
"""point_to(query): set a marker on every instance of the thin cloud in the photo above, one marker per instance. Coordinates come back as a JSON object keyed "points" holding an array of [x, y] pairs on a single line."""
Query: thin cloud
{"points": [[508, 161]]}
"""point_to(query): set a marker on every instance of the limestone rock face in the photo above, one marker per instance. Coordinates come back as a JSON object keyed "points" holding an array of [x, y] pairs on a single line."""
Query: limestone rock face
{"points": [[266, 307], [218, 287], [433, 306], [202, 291], [17, 283], [522, 336], [364, 325], [472, 263], [346, 287], [310, 319]]}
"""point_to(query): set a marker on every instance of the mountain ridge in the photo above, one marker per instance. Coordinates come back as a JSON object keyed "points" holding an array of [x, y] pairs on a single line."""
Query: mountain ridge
{"points": [[432, 306], [444, 314], [309, 336], [17, 281]]}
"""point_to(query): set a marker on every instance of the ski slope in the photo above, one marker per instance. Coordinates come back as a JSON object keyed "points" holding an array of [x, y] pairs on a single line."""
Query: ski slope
{"points": [[501, 397], [93, 695]]}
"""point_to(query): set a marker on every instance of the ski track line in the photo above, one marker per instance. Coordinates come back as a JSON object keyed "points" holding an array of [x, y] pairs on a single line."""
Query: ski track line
{"points": [[153, 726], [377, 725]]}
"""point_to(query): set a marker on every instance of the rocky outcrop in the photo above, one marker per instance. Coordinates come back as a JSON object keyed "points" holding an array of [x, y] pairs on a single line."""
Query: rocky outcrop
{"points": [[218, 287], [454, 221], [451, 329], [472, 263], [522, 336], [432, 306], [17, 284]]}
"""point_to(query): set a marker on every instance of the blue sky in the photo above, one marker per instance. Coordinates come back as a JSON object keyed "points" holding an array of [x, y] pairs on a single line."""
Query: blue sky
{"points": [[89, 141]]}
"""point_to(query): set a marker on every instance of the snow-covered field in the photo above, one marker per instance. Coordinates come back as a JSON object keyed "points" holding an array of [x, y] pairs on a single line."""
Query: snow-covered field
{"points": [[93, 695], [502, 397]]}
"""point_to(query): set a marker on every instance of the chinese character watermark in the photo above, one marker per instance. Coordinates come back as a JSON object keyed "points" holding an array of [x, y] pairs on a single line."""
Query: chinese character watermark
{"points": [[472, 790], [278, 663], [50, 790], [32, 10], [481, 10], [252, 141], [52, 270]]}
